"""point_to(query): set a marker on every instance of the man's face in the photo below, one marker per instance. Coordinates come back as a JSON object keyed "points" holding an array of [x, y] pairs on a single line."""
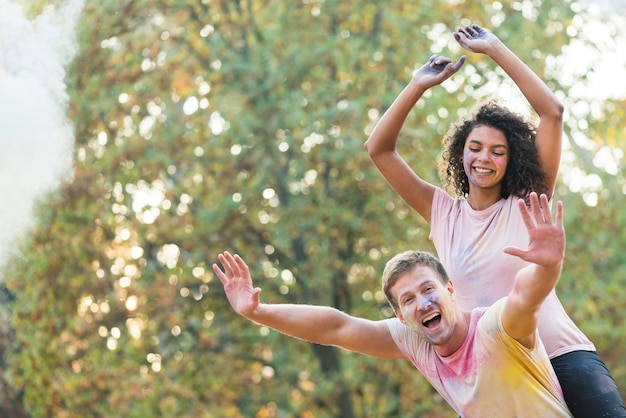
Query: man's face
{"points": [[426, 304]]}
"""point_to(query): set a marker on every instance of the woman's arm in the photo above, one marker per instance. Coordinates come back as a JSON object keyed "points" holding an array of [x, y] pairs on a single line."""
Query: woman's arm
{"points": [[541, 98], [381, 145]]}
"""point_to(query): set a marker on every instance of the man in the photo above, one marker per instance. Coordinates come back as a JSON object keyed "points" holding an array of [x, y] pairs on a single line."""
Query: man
{"points": [[487, 362]]}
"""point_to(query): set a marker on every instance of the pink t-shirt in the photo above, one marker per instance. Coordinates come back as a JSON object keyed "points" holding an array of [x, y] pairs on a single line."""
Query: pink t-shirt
{"points": [[469, 244], [491, 374]]}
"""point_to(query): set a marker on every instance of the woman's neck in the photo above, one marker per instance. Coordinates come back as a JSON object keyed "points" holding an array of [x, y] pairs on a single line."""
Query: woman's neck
{"points": [[480, 199]]}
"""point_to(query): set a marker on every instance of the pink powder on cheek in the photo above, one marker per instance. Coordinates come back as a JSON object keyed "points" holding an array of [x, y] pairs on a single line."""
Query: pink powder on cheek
{"points": [[499, 162]]}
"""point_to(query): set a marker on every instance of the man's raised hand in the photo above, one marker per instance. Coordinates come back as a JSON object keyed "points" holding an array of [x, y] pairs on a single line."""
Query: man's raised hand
{"points": [[546, 239], [243, 297]]}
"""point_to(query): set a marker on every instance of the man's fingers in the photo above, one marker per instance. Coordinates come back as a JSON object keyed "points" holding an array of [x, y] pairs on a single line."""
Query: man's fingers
{"points": [[243, 267], [525, 214], [540, 207], [545, 209], [228, 263], [559, 214], [224, 271], [220, 274], [539, 212], [224, 261], [535, 209], [233, 266], [514, 251]]}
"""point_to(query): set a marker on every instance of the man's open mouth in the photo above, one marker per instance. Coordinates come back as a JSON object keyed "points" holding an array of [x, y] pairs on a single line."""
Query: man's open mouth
{"points": [[431, 320]]}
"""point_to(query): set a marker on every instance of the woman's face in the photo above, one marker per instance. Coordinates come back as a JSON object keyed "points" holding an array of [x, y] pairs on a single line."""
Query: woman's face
{"points": [[485, 156]]}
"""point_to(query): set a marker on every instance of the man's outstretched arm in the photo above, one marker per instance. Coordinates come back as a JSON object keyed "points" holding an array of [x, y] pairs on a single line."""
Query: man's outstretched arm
{"points": [[319, 324], [546, 250]]}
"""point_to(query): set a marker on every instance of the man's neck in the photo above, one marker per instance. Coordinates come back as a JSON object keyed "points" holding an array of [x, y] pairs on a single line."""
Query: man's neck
{"points": [[461, 329]]}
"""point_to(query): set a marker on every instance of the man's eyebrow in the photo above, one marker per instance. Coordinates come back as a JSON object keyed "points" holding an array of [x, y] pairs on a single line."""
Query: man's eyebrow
{"points": [[422, 284], [428, 282], [403, 294]]}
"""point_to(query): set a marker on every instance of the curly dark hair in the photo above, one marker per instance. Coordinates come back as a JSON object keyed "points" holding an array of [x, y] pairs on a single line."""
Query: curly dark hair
{"points": [[524, 173]]}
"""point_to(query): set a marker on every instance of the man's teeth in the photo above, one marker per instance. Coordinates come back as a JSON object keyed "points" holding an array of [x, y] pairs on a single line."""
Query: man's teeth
{"points": [[430, 317]]}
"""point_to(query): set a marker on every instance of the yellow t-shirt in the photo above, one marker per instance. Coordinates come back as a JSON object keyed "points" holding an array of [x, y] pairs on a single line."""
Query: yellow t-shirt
{"points": [[491, 375]]}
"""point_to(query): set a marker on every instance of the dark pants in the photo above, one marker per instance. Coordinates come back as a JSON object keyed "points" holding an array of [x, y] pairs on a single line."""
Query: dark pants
{"points": [[588, 387]]}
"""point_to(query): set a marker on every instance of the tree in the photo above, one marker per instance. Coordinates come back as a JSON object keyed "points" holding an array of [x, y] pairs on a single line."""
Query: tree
{"points": [[235, 125]]}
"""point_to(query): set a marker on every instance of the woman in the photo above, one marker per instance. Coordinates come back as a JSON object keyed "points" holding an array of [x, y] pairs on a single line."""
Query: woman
{"points": [[489, 161]]}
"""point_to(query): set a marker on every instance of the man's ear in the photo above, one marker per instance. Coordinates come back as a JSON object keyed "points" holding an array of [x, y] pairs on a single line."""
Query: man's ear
{"points": [[450, 288], [400, 317]]}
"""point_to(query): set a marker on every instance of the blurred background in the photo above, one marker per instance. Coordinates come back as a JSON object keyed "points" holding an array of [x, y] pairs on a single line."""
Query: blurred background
{"points": [[141, 138]]}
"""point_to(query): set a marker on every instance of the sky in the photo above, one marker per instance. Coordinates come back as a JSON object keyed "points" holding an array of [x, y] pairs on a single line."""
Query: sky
{"points": [[36, 137], [608, 79], [613, 5]]}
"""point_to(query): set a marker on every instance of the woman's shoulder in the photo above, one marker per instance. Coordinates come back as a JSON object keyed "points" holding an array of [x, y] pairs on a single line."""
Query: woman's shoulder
{"points": [[441, 198]]}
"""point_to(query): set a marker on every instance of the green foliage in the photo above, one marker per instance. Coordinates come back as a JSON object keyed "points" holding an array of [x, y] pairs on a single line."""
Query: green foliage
{"points": [[239, 125]]}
